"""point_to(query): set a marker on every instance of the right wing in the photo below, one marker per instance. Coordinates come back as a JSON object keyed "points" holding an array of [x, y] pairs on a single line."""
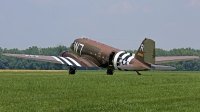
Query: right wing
{"points": [[166, 59], [77, 62]]}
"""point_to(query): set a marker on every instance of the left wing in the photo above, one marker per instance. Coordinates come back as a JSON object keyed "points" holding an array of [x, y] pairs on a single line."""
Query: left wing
{"points": [[69, 61], [166, 59]]}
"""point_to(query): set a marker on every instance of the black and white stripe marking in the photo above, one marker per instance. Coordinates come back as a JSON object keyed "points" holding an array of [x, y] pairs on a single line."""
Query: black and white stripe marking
{"points": [[66, 60], [122, 58]]}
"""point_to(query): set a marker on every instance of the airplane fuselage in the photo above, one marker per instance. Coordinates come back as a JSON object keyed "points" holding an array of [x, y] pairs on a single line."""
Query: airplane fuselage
{"points": [[103, 55], [93, 50]]}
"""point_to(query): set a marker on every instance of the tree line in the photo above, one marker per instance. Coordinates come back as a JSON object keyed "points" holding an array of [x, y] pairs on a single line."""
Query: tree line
{"points": [[17, 63]]}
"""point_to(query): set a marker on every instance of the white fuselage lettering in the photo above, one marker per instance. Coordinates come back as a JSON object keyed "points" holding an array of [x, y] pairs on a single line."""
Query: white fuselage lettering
{"points": [[76, 47]]}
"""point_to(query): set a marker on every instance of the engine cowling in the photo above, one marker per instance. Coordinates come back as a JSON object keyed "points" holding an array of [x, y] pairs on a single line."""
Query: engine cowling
{"points": [[122, 58], [68, 54]]}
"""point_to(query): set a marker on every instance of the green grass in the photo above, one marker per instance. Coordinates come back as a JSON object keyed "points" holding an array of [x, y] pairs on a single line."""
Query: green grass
{"points": [[90, 91]]}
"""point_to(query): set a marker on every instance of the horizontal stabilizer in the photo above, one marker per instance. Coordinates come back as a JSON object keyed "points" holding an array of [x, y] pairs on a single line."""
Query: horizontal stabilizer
{"points": [[162, 67]]}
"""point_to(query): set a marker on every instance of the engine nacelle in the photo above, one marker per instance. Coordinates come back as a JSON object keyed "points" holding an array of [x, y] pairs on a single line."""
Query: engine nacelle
{"points": [[68, 54], [122, 58]]}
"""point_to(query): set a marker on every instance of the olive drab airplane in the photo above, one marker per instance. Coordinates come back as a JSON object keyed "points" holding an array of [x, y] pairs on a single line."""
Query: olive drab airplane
{"points": [[89, 53]]}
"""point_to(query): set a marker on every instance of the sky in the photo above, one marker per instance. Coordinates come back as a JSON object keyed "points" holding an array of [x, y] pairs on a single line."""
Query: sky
{"points": [[122, 24]]}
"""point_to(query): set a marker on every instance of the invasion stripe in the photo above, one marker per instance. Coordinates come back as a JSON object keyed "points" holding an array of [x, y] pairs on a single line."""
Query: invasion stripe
{"points": [[132, 54], [68, 62], [57, 59], [124, 56], [63, 60], [70, 59], [129, 59], [126, 59], [116, 57]]}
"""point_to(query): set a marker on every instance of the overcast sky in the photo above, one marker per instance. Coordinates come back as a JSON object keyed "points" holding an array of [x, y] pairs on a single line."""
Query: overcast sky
{"points": [[119, 23]]}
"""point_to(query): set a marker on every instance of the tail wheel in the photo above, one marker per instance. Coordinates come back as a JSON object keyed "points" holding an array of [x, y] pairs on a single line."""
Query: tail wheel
{"points": [[138, 73], [110, 71]]}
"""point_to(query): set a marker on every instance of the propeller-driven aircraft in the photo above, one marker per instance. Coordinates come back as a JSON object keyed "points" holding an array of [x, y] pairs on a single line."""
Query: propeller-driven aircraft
{"points": [[90, 53]]}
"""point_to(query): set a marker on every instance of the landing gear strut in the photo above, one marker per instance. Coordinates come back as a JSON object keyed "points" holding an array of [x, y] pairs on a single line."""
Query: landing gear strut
{"points": [[72, 70], [110, 71], [138, 73]]}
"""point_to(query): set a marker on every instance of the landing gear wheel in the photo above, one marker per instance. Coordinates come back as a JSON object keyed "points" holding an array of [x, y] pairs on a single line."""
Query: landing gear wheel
{"points": [[110, 71], [138, 73], [72, 70]]}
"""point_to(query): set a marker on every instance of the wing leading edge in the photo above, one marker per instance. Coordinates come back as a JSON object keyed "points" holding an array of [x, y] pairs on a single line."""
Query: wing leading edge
{"points": [[54, 59]]}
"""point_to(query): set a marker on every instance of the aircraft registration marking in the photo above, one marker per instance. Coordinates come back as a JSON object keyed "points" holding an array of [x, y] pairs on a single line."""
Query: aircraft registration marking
{"points": [[76, 47], [142, 47]]}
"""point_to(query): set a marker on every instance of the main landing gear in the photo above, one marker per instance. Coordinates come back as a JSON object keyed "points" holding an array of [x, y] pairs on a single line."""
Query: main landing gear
{"points": [[138, 73], [72, 70], [110, 71]]}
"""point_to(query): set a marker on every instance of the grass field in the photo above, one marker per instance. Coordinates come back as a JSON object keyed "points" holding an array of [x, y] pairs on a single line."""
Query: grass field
{"points": [[92, 91]]}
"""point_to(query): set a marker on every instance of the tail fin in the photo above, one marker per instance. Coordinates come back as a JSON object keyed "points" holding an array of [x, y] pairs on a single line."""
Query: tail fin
{"points": [[146, 52]]}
